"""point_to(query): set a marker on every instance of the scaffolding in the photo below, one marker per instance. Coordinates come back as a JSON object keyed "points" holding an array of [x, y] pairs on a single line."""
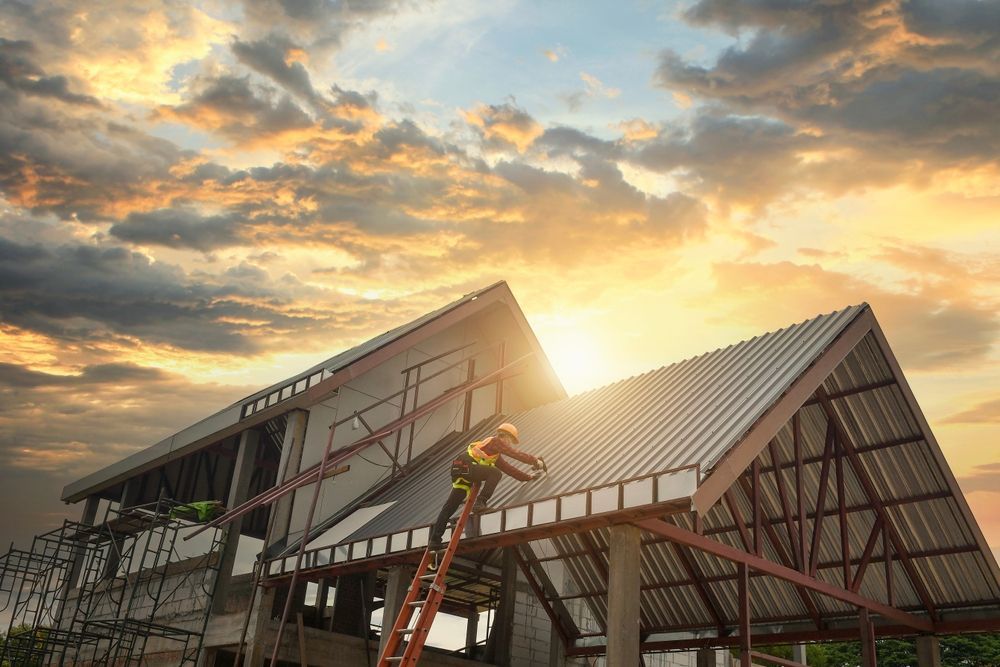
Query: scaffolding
{"points": [[97, 593]]}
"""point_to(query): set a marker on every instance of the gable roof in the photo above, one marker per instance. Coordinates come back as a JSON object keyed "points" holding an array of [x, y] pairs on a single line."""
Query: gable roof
{"points": [[694, 427], [309, 386], [686, 414]]}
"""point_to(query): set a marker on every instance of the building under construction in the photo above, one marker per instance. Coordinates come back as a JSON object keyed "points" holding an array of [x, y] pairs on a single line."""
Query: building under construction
{"points": [[781, 491]]}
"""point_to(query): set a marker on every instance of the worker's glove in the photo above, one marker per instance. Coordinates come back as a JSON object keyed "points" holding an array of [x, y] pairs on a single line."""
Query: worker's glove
{"points": [[540, 465]]}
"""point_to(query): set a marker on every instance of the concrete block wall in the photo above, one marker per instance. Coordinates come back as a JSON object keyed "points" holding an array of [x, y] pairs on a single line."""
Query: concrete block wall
{"points": [[531, 643]]}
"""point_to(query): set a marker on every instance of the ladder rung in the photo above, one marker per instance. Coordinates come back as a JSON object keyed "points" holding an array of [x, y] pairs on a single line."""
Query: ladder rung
{"points": [[394, 659], [418, 603], [428, 577], [405, 631]]}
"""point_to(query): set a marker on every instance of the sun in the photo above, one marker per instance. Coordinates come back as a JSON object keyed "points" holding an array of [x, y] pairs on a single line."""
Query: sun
{"points": [[577, 357]]}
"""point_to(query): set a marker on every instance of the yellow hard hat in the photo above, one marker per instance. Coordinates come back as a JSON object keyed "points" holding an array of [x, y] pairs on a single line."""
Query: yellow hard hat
{"points": [[510, 429]]}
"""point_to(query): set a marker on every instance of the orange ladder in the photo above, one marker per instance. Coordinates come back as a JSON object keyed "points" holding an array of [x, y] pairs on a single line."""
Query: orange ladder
{"points": [[435, 586]]}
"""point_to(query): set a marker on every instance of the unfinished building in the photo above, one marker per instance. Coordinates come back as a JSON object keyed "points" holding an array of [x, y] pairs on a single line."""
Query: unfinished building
{"points": [[783, 490]]}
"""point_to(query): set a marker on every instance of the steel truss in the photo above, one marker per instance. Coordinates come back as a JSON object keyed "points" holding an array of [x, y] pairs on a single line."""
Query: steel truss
{"points": [[96, 593], [777, 535]]}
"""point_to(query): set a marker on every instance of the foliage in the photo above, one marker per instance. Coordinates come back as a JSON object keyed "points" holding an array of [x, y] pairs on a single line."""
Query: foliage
{"points": [[956, 651]]}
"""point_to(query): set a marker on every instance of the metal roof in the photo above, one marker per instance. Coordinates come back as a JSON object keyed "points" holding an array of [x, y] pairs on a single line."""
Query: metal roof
{"points": [[685, 414], [692, 413], [287, 391]]}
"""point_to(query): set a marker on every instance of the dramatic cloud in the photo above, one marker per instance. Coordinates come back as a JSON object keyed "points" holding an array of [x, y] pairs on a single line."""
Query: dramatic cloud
{"points": [[198, 192], [85, 293], [916, 79], [18, 72], [276, 57], [240, 110], [179, 228]]}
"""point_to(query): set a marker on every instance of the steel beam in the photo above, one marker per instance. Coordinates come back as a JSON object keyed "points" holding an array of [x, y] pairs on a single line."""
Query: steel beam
{"points": [[772, 537], [697, 579], [873, 497], [678, 534]]}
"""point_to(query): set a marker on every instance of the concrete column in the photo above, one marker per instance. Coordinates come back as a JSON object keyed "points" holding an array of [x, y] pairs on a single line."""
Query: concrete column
{"points": [[623, 596], [498, 645], [396, 587], [706, 657], [246, 457], [472, 631], [928, 651], [288, 467], [352, 604], [799, 654], [87, 519]]}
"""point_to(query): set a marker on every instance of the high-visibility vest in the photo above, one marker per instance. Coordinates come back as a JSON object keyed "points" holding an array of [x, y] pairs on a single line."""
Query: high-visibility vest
{"points": [[479, 456]]}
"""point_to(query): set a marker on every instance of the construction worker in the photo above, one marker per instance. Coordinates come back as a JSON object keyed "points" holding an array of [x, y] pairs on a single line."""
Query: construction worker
{"points": [[482, 462]]}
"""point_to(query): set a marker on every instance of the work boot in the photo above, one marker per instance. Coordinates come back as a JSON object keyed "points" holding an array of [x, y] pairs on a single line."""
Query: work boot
{"points": [[479, 507]]}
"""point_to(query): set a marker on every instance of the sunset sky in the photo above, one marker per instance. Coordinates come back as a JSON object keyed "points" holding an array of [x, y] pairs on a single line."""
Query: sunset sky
{"points": [[200, 198]]}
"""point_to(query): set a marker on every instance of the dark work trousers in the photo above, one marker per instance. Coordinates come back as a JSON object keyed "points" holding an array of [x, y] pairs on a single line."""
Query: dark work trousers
{"points": [[464, 467]]}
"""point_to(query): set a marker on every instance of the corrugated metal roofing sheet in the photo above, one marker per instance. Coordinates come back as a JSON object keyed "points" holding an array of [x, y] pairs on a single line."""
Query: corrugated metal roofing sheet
{"points": [[688, 413], [692, 412]]}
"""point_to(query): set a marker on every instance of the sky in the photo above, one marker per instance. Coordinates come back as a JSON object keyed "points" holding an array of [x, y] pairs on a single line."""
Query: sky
{"points": [[200, 198]]}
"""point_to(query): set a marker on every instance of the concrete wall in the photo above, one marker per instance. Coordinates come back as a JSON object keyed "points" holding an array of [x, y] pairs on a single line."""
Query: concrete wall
{"points": [[372, 465]]}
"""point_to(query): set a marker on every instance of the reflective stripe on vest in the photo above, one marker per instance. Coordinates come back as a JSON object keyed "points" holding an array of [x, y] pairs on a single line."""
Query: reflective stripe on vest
{"points": [[479, 456]]}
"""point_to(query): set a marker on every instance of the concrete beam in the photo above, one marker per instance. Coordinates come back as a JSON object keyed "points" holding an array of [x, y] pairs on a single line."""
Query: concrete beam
{"points": [[799, 654], [928, 651], [623, 595], [239, 489]]}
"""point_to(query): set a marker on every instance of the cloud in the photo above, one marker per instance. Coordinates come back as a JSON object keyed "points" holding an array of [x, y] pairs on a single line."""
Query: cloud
{"points": [[744, 159], [276, 56], [551, 54], [239, 110], [504, 125], [930, 327], [19, 73], [913, 79], [984, 477], [637, 129], [179, 228], [321, 25], [87, 293], [593, 88], [76, 162], [986, 412]]}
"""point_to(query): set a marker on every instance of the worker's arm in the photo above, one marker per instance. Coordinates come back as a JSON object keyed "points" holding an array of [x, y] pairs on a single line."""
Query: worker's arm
{"points": [[514, 453], [508, 469]]}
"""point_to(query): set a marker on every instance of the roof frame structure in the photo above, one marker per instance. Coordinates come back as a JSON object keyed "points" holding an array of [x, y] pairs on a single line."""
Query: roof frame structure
{"points": [[711, 526]]}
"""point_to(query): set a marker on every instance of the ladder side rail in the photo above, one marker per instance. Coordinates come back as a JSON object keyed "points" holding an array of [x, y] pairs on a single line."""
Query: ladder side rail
{"points": [[405, 612], [435, 595]]}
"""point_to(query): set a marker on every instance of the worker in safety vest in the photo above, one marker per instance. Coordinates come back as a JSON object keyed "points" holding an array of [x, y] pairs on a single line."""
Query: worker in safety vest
{"points": [[482, 462]]}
